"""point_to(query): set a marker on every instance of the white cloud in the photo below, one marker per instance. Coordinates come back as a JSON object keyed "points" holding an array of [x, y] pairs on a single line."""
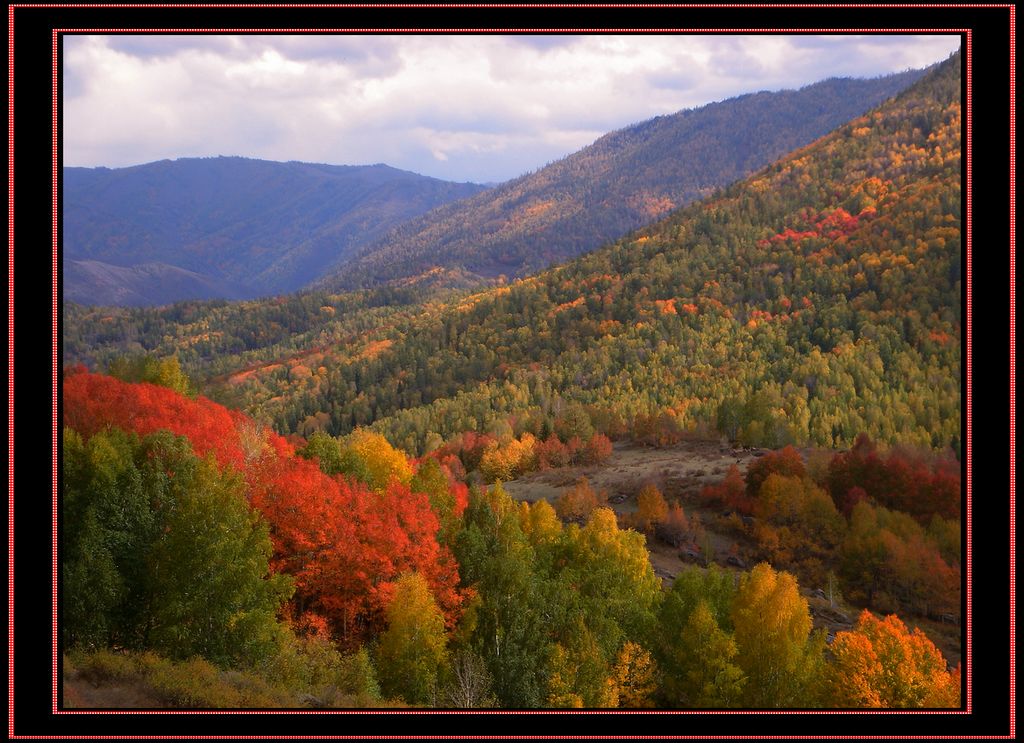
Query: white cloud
{"points": [[482, 108]]}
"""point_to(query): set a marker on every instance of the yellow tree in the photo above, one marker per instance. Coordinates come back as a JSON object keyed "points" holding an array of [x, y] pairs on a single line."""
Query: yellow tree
{"points": [[882, 664], [651, 508], [578, 675], [412, 650], [635, 672], [539, 522], [773, 634], [369, 457]]}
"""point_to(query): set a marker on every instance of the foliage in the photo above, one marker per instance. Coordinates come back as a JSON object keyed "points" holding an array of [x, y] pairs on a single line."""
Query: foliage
{"points": [[195, 683], [651, 508], [346, 545], [710, 676], [413, 648], [677, 529], [635, 676], [93, 402], [343, 543], [369, 457], [163, 552], [882, 664], [731, 493], [577, 503], [777, 653], [787, 462], [146, 368], [921, 485], [890, 562], [499, 563]]}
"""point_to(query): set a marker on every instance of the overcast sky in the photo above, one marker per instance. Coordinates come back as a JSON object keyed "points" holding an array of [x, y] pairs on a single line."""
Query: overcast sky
{"points": [[466, 108]]}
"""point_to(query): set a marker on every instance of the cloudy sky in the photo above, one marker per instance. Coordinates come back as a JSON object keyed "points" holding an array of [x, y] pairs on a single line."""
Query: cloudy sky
{"points": [[468, 108]]}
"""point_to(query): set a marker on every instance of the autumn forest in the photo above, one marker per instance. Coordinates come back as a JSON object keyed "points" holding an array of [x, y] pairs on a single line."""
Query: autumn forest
{"points": [[713, 461]]}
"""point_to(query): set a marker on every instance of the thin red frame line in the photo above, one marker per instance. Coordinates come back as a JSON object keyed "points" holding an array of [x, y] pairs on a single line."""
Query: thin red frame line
{"points": [[519, 737], [55, 710], [637, 6], [638, 31], [969, 674], [53, 288], [705, 31], [10, 371], [1013, 414]]}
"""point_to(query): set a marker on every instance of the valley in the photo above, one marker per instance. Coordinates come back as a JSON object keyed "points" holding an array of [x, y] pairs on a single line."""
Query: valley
{"points": [[680, 472], [635, 430]]}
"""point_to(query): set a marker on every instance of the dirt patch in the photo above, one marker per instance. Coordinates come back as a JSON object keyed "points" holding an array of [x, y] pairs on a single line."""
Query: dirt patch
{"points": [[81, 694], [679, 472]]}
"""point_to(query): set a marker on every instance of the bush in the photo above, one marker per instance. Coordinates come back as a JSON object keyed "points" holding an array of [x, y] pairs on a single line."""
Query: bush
{"points": [[651, 508], [104, 667], [193, 684], [676, 529], [577, 503]]}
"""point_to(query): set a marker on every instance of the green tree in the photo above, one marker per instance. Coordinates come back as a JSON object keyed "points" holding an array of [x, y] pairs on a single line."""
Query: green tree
{"points": [[515, 608], [706, 655], [165, 372], [412, 651], [326, 450], [161, 551]]}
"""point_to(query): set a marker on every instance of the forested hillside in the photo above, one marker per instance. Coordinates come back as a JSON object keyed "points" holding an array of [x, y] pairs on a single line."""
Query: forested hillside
{"points": [[367, 553], [625, 179], [818, 299], [209, 563], [246, 227]]}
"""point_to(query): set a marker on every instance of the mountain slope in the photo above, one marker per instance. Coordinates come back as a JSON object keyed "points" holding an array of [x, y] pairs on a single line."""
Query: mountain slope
{"points": [[246, 227], [622, 181], [95, 282], [815, 300]]}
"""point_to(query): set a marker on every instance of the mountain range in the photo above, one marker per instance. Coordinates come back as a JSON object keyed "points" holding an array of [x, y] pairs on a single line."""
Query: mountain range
{"points": [[236, 228], [624, 180], [226, 227]]}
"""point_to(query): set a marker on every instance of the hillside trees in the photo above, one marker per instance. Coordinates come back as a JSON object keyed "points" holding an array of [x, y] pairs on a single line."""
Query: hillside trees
{"points": [[162, 551], [344, 541], [777, 652], [793, 307], [880, 663]]}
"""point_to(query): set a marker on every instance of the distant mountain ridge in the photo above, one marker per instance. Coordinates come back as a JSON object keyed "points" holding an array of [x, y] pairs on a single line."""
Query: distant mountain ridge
{"points": [[95, 282], [624, 180], [229, 227]]}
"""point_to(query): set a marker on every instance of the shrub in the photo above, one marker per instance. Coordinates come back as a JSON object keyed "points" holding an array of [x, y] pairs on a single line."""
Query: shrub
{"points": [[651, 508], [577, 503]]}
